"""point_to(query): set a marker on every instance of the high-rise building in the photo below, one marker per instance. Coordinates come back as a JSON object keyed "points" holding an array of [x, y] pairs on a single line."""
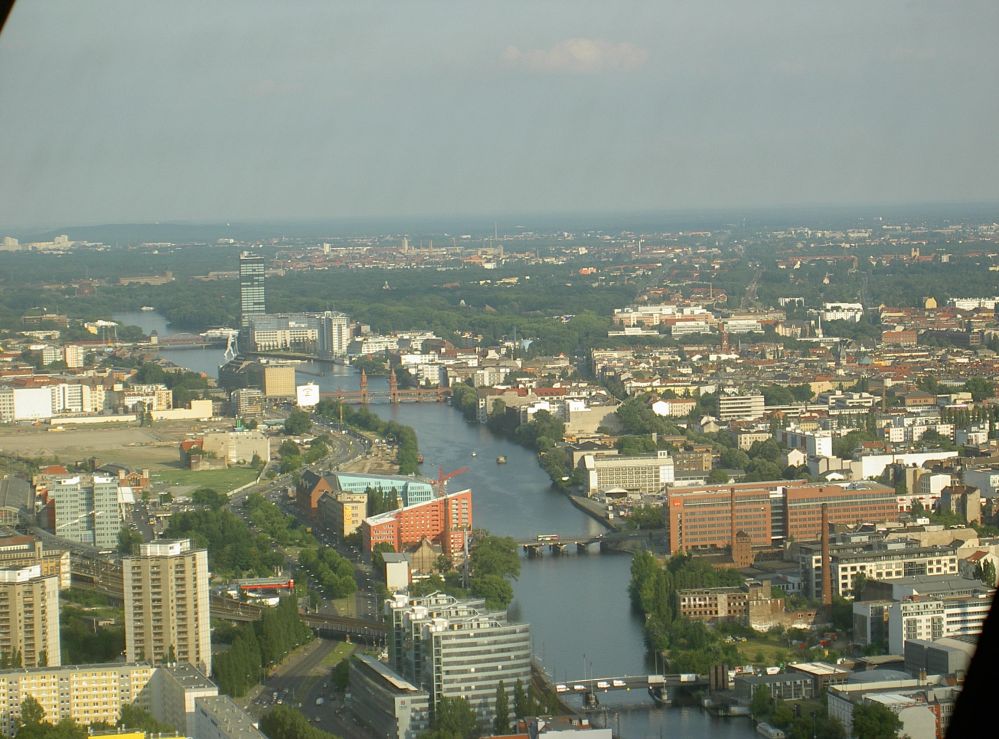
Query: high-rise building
{"points": [[29, 617], [251, 287], [334, 334], [453, 649], [166, 604], [85, 509]]}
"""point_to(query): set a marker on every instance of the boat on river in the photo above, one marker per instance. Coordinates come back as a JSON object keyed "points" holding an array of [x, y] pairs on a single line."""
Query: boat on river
{"points": [[501, 459]]}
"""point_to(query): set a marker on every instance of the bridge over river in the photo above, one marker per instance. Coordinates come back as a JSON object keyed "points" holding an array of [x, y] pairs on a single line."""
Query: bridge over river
{"points": [[561, 544]]}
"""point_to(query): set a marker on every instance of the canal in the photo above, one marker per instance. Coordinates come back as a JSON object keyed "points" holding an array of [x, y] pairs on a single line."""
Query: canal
{"points": [[577, 605]]}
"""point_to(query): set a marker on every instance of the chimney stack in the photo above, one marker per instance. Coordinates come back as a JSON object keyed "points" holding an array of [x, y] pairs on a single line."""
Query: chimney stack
{"points": [[731, 498], [826, 559]]}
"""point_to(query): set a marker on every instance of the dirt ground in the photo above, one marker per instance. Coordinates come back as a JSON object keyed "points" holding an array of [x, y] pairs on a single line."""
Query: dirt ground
{"points": [[153, 447]]}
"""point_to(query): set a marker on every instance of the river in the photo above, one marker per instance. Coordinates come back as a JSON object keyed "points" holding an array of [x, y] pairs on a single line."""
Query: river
{"points": [[577, 605]]}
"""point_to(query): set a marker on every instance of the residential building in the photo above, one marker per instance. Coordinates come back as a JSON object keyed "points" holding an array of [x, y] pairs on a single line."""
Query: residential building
{"points": [[924, 708], [248, 402], [252, 300], [84, 508], [217, 717], [29, 616], [166, 604], [89, 694], [86, 694], [386, 702], [445, 520], [22, 551], [919, 617], [646, 474]]}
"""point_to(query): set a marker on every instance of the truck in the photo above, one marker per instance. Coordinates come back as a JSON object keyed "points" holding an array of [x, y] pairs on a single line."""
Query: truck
{"points": [[319, 701], [688, 677], [656, 680]]}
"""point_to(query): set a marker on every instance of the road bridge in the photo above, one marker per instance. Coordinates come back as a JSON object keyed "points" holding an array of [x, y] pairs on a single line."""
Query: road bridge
{"points": [[393, 394], [561, 544]]}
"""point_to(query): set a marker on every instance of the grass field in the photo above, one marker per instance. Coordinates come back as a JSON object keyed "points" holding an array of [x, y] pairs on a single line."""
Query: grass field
{"points": [[771, 649], [219, 480], [340, 653]]}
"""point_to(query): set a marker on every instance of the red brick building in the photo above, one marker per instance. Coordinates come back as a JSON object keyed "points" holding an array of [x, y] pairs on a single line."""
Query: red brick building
{"points": [[770, 513], [443, 521]]}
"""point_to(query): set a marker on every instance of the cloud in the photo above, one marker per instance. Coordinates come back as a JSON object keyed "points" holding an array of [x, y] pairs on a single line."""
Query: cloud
{"points": [[578, 56]]}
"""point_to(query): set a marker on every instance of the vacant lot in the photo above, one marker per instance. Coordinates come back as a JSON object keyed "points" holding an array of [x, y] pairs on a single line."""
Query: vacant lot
{"points": [[221, 481]]}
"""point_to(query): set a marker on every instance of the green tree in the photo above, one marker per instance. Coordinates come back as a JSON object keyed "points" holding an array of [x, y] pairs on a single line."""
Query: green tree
{"points": [[494, 555], [501, 724], [128, 540], [297, 423], [135, 718], [875, 721], [454, 718], [497, 591], [980, 388], [377, 551], [762, 704], [717, 477], [521, 708], [32, 713], [210, 498]]}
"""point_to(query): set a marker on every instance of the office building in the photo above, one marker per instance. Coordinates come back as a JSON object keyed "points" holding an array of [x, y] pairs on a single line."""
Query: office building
{"points": [[385, 701], [739, 407], [342, 513], [284, 332], [29, 616], [313, 486], [279, 381], [646, 475], [771, 513], [445, 521], [918, 617], [453, 649], [946, 656], [166, 604], [873, 560], [334, 334], [251, 288], [924, 708]]}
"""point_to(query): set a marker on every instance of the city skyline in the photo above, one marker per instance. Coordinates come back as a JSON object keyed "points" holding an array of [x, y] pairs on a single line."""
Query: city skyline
{"points": [[347, 112]]}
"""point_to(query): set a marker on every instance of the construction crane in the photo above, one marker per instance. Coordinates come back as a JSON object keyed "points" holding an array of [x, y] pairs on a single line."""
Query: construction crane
{"points": [[441, 481]]}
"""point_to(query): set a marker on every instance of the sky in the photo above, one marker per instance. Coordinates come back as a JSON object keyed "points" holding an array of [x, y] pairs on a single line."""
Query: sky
{"points": [[135, 111]]}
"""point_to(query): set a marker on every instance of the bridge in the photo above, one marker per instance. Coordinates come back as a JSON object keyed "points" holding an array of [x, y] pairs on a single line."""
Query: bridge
{"points": [[369, 632], [394, 394], [560, 544]]}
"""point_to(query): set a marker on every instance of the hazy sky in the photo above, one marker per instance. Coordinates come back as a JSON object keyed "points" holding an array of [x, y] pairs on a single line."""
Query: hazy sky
{"points": [[144, 111]]}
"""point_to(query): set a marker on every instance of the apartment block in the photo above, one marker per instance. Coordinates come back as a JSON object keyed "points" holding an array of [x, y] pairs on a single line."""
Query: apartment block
{"points": [[166, 604], [29, 616], [22, 551]]}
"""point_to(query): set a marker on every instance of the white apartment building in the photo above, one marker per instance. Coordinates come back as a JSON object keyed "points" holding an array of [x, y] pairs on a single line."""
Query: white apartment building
{"points": [[934, 618]]}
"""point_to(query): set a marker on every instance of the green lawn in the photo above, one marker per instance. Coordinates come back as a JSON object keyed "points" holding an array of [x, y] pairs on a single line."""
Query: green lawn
{"points": [[220, 480], [340, 653], [770, 648]]}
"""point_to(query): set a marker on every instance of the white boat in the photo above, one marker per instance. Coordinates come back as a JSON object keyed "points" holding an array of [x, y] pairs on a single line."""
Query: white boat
{"points": [[147, 309]]}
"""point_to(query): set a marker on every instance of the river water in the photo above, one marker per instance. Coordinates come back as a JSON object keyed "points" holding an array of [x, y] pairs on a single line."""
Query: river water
{"points": [[577, 604]]}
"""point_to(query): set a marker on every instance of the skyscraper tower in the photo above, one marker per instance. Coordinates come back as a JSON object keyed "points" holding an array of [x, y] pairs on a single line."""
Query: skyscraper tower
{"points": [[251, 287]]}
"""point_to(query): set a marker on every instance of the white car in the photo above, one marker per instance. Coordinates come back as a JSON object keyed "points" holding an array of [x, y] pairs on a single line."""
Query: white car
{"points": [[617, 683]]}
